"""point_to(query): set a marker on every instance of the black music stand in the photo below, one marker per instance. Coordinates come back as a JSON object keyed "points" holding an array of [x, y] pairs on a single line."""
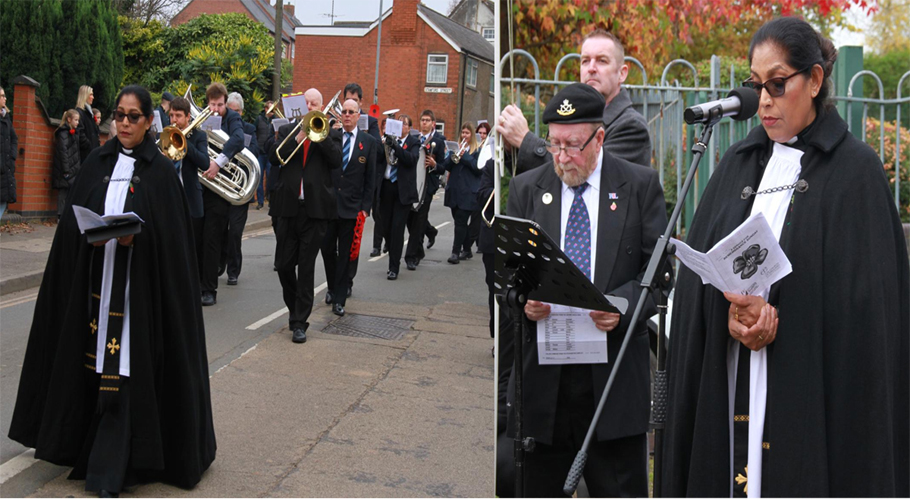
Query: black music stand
{"points": [[529, 264]]}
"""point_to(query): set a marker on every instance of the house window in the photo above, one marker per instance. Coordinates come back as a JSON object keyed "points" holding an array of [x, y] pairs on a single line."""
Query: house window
{"points": [[492, 82], [437, 68], [471, 76], [489, 34], [441, 127]]}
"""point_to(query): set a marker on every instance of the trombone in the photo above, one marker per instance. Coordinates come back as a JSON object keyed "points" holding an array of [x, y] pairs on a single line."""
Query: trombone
{"points": [[316, 125]]}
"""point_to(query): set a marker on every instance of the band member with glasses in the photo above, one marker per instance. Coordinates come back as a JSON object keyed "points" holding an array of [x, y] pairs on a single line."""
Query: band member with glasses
{"points": [[625, 130], [461, 193], [418, 224], [303, 203], [216, 207], [354, 195], [607, 215], [115, 380], [399, 192], [196, 160], [801, 390]]}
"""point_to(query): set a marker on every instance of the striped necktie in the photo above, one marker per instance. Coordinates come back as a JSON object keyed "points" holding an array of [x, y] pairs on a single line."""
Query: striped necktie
{"points": [[346, 151]]}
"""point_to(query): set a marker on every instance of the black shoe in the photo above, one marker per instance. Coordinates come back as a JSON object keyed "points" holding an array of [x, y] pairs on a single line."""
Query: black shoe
{"points": [[338, 309], [453, 259], [232, 280], [392, 275], [108, 494], [299, 336], [350, 291], [259, 206], [375, 252], [411, 265], [385, 249], [465, 255], [329, 297], [208, 299], [431, 240]]}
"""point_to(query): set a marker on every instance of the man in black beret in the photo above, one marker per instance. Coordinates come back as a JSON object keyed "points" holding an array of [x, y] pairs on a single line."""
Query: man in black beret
{"points": [[607, 214], [164, 109]]}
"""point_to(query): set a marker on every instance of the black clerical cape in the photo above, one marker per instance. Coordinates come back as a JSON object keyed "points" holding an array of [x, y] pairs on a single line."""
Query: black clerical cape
{"points": [[170, 407], [837, 403]]}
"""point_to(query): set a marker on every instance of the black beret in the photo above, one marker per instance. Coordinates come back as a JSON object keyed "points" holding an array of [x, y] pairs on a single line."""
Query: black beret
{"points": [[167, 96], [576, 103]]}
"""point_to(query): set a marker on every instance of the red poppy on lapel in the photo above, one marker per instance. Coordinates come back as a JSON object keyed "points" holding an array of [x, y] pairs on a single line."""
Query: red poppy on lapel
{"points": [[361, 146], [404, 146]]}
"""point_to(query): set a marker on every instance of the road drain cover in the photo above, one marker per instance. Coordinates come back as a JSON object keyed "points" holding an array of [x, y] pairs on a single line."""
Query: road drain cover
{"points": [[371, 327]]}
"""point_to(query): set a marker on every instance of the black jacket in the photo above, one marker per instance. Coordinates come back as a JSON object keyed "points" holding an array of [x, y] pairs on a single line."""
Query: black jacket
{"points": [[66, 156], [263, 130], [90, 130], [9, 151], [195, 161], [318, 188], [625, 239], [354, 183], [165, 117], [464, 181], [407, 155], [232, 125], [438, 152]]}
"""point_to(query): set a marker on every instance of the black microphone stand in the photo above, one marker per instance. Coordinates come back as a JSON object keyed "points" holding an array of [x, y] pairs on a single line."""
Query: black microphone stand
{"points": [[516, 298], [658, 260]]}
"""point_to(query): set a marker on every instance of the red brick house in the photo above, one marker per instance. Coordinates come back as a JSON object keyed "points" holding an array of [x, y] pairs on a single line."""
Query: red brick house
{"points": [[427, 61], [257, 10]]}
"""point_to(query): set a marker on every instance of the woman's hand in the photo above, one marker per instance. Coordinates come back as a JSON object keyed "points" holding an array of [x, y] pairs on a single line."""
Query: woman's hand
{"points": [[761, 333], [745, 308], [123, 240], [536, 310]]}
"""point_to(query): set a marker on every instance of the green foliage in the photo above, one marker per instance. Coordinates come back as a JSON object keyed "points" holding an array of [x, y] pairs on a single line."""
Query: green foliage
{"points": [[143, 51], [873, 138], [889, 66], [29, 36]]}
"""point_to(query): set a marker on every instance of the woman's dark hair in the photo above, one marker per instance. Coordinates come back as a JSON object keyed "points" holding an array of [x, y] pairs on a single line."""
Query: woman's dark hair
{"points": [[804, 47], [145, 99], [485, 126]]}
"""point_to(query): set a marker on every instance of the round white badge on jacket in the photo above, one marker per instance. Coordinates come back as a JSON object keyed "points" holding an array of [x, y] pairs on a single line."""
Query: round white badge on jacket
{"points": [[547, 198]]}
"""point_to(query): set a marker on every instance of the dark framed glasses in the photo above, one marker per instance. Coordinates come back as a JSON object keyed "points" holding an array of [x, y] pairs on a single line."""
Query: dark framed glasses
{"points": [[132, 117], [349, 112], [571, 151], [775, 86]]}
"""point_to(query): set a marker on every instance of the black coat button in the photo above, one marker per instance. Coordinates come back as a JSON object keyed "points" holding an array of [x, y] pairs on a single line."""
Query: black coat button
{"points": [[629, 249]]}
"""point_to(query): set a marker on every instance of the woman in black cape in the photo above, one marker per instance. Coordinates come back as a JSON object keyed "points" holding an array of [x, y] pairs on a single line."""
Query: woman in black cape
{"points": [[802, 391], [130, 404]]}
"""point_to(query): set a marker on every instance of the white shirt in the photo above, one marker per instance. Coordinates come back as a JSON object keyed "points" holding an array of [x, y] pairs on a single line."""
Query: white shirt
{"points": [[591, 197]]}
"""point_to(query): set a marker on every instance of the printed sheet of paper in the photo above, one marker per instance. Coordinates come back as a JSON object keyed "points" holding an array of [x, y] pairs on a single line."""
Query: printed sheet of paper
{"points": [[569, 336], [157, 125], [88, 220], [211, 123], [294, 106], [748, 261], [393, 127], [363, 123]]}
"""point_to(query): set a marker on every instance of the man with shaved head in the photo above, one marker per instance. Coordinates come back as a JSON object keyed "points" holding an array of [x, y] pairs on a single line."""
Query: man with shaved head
{"points": [[303, 203]]}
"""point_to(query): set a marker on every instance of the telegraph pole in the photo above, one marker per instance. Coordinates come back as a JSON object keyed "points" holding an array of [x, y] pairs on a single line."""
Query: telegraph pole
{"points": [[276, 74]]}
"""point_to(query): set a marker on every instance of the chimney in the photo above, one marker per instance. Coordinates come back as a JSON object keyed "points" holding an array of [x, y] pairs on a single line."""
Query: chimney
{"points": [[289, 9], [404, 22]]}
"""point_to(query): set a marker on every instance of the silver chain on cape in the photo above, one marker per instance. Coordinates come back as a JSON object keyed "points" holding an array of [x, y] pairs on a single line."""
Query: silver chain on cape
{"points": [[801, 186]]}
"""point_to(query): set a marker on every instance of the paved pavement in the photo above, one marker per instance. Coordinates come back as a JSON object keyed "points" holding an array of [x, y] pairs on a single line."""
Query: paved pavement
{"points": [[410, 415]]}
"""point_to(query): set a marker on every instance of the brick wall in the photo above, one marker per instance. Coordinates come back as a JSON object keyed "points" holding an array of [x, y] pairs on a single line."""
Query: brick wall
{"points": [[36, 197], [328, 63]]}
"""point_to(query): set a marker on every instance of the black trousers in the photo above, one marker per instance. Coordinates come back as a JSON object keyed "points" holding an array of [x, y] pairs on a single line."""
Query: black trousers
{"points": [[418, 227], [462, 241], [216, 220], [378, 235], [231, 254], [336, 251], [473, 230], [298, 241], [615, 468], [394, 218]]}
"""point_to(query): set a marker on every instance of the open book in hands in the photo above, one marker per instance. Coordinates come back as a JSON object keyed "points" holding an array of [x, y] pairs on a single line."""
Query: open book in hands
{"points": [[748, 261], [104, 227]]}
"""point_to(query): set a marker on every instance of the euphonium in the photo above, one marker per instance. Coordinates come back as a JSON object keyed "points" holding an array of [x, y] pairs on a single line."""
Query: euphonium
{"points": [[172, 142]]}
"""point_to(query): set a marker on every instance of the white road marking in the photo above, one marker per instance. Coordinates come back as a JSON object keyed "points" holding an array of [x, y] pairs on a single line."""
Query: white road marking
{"points": [[284, 310], [405, 245], [17, 301], [17, 464]]}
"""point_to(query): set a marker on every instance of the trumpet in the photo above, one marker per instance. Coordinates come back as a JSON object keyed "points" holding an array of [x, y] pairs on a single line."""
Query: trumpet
{"points": [[462, 149], [316, 124], [173, 140]]}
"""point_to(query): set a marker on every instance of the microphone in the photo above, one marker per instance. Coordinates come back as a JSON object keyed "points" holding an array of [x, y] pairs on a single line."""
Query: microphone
{"points": [[740, 104]]}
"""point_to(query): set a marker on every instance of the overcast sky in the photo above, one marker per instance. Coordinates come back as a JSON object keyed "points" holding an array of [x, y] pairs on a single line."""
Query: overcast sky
{"points": [[316, 12]]}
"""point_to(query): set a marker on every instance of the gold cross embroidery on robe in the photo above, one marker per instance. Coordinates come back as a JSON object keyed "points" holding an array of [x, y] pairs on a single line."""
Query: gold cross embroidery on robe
{"points": [[743, 480], [112, 345], [94, 326]]}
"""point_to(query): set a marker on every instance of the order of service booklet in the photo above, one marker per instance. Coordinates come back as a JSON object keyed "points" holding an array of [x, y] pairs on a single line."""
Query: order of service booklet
{"points": [[748, 261], [104, 227]]}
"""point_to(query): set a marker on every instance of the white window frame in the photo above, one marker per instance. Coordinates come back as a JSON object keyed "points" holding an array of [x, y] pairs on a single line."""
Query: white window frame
{"points": [[492, 82], [441, 127], [445, 68], [471, 71], [491, 31]]}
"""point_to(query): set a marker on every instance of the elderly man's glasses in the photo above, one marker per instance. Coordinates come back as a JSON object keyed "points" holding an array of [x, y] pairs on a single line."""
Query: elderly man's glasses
{"points": [[775, 86], [132, 117], [571, 151], [349, 112]]}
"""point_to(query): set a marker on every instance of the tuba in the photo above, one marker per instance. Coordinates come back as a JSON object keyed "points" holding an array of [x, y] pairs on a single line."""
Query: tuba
{"points": [[236, 182]]}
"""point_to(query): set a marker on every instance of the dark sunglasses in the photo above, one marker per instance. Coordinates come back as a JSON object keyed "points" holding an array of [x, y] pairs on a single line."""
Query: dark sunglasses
{"points": [[349, 112], [132, 117], [775, 86]]}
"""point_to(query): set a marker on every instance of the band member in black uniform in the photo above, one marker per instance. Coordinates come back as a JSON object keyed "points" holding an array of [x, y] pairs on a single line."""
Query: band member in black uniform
{"points": [[216, 207], [354, 194], [399, 192], [354, 92], [461, 192], [418, 225], [303, 203], [231, 253], [196, 160]]}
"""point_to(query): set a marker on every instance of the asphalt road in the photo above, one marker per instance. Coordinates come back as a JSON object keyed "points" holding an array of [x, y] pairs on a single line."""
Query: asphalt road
{"points": [[243, 317]]}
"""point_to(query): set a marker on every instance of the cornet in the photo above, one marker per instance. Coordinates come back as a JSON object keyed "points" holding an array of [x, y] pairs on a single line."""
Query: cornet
{"points": [[462, 149]]}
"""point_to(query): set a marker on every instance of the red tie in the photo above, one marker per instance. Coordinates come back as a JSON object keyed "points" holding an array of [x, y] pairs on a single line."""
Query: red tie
{"points": [[306, 149]]}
